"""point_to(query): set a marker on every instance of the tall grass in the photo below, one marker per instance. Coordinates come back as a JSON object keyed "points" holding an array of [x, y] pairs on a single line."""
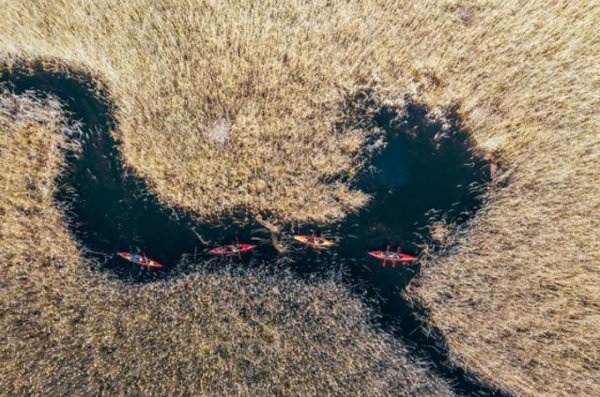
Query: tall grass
{"points": [[519, 301], [67, 330]]}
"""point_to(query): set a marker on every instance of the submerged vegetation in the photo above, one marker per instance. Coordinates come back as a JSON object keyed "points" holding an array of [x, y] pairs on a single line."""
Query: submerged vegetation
{"points": [[225, 106]]}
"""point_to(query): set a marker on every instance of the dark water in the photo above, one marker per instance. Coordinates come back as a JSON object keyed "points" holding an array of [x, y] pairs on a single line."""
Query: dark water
{"points": [[422, 174]]}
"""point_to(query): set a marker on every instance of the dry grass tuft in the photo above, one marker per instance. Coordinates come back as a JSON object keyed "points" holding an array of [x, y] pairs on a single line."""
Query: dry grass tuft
{"points": [[519, 301]]}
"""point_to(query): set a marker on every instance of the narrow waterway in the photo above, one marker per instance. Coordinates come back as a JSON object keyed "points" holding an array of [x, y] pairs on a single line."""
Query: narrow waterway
{"points": [[425, 172]]}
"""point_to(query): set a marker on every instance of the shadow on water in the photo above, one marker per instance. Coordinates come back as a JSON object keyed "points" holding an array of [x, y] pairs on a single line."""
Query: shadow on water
{"points": [[424, 173]]}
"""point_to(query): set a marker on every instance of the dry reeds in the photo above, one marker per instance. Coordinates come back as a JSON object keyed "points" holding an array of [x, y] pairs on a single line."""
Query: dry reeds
{"points": [[519, 302], [67, 330]]}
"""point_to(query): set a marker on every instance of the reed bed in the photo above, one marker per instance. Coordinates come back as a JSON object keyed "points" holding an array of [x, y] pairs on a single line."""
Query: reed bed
{"points": [[68, 330], [237, 105]]}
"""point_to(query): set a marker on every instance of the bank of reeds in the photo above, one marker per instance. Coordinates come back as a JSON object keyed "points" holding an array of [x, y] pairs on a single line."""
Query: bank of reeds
{"points": [[67, 330], [519, 301]]}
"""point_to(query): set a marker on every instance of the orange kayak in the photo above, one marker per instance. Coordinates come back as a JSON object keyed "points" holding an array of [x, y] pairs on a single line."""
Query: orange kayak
{"points": [[315, 242], [232, 249], [392, 256], [141, 260]]}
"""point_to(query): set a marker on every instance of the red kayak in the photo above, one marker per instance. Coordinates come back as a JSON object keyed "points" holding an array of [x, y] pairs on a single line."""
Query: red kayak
{"points": [[392, 256], [138, 259], [232, 249]]}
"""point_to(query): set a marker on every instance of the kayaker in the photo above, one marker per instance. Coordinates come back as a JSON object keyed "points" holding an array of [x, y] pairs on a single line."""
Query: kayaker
{"points": [[387, 252], [398, 251]]}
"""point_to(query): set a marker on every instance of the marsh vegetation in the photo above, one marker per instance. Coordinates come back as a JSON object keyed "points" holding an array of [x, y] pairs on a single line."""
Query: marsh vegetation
{"points": [[106, 210], [516, 296], [71, 330]]}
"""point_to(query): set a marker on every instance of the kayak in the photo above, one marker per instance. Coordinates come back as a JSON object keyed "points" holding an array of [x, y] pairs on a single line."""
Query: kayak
{"points": [[392, 256], [317, 242], [232, 249], [139, 260]]}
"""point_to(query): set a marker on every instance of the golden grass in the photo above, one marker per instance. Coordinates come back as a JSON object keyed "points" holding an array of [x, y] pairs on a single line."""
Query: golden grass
{"points": [[519, 301], [525, 78], [69, 331]]}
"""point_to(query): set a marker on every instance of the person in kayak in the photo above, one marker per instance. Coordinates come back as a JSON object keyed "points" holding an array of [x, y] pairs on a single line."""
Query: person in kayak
{"points": [[232, 248], [140, 258], [313, 239], [392, 255], [387, 253], [398, 251]]}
